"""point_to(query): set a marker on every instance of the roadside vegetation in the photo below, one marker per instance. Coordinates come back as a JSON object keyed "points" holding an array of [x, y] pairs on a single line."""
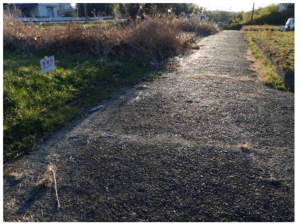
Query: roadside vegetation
{"points": [[154, 39], [277, 45], [36, 104], [193, 25], [260, 28], [267, 15], [91, 63]]}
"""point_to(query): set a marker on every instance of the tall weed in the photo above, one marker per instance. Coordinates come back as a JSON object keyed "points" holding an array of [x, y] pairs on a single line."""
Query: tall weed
{"points": [[154, 39]]}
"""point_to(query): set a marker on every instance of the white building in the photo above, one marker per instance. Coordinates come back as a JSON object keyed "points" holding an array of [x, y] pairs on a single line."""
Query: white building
{"points": [[283, 6], [43, 10]]}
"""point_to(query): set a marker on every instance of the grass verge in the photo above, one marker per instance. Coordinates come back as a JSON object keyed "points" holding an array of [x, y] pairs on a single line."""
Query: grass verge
{"points": [[265, 69], [278, 45], [36, 104], [260, 28]]}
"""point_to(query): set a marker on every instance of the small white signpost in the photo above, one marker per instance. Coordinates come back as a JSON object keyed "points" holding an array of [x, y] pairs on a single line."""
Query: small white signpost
{"points": [[47, 64]]}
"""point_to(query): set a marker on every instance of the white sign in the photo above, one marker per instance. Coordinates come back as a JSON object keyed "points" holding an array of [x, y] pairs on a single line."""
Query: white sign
{"points": [[47, 64]]}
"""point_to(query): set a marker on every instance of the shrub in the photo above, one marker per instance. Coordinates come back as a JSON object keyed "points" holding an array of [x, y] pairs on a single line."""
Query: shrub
{"points": [[194, 24], [155, 38], [234, 26], [73, 38]]}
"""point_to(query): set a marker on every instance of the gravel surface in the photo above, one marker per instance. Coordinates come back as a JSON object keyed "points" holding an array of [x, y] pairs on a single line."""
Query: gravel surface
{"points": [[170, 150]]}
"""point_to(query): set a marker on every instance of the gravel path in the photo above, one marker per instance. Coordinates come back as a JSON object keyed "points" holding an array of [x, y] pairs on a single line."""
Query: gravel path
{"points": [[169, 151]]}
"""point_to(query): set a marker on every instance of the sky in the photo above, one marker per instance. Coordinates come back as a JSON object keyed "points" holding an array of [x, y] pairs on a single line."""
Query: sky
{"points": [[232, 6]]}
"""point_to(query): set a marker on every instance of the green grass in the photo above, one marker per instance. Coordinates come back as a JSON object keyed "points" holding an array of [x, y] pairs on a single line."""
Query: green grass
{"points": [[36, 104], [266, 69], [285, 184], [63, 25], [279, 45], [260, 28]]}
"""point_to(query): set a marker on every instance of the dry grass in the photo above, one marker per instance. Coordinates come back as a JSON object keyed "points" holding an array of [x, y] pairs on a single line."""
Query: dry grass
{"points": [[47, 179], [260, 28], [257, 66], [15, 175], [245, 147], [266, 71], [220, 77], [154, 39], [278, 45], [198, 26], [74, 38]]}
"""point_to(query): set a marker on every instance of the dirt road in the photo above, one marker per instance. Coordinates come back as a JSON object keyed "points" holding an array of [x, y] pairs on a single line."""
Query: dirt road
{"points": [[171, 150]]}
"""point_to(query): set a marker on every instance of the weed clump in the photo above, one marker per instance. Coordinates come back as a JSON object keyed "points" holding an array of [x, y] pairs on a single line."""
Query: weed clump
{"points": [[194, 25], [48, 178], [267, 72], [156, 38]]}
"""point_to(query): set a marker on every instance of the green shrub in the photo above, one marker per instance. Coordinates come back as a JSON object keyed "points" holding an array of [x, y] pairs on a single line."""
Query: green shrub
{"points": [[233, 26]]}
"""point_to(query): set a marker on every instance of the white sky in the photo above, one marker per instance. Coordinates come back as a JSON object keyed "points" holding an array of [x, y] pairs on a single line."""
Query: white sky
{"points": [[232, 6]]}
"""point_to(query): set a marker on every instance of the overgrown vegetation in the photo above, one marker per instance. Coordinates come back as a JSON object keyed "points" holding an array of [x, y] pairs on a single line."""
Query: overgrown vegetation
{"points": [[91, 62], [153, 39], [278, 45], [260, 28], [267, 71], [135, 10], [194, 25]]}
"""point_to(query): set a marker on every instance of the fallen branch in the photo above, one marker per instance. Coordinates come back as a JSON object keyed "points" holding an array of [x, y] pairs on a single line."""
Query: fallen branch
{"points": [[52, 169]]}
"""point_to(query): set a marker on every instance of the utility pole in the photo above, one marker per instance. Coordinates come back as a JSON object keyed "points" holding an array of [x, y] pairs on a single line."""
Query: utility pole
{"points": [[85, 14], [252, 14]]}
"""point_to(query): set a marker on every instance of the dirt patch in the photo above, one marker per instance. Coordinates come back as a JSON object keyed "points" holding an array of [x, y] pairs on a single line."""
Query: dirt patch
{"points": [[257, 67], [220, 77]]}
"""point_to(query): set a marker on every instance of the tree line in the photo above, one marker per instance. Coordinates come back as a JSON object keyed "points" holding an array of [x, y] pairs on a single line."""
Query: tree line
{"points": [[137, 9], [267, 15]]}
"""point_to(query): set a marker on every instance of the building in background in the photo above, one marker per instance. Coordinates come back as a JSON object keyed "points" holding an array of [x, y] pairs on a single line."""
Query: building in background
{"points": [[66, 9], [284, 6], [43, 10]]}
